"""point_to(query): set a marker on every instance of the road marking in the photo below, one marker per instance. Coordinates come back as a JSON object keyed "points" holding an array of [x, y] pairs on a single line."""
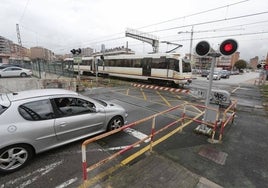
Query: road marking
{"points": [[164, 99], [110, 149], [235, 89], [143, 94], [67, 183], [36, 175], [137, 134]]}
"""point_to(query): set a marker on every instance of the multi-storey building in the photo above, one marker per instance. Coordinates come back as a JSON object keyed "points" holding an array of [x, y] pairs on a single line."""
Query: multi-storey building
{"points": [[42, 53], [4, 50], [254, 62], [12, 53], [224, 62], [227, 62], [87, 52]]}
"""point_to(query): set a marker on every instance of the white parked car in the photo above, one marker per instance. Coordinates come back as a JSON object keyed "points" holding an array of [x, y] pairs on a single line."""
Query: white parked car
{"points": [[34, 121], [216, 75], [15, 71]]}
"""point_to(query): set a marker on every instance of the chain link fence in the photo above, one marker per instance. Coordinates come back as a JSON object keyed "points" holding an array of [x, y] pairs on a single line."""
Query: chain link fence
{"points": [[41, 67]]}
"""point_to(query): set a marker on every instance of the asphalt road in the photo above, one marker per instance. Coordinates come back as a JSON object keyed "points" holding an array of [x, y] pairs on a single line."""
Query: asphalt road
{"points": [[61, 167]]}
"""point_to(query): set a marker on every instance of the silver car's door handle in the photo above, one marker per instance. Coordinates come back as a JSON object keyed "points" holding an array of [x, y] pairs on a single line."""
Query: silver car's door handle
{"points": [[62, 124]]}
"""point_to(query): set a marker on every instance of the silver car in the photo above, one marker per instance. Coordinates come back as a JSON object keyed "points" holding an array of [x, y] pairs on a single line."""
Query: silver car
{"points": [[216, 76], [38, 120], [15, 71]]}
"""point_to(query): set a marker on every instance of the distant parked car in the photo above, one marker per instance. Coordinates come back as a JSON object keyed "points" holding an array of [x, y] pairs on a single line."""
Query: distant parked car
{"points": [[2, 65], [234, 72], [15, 71], [225, 74], [216, 75], [34, 121], [204, 73]]}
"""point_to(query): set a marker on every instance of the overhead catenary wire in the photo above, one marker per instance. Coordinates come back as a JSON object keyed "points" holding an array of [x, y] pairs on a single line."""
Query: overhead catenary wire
{"points": [[194, 14], [94, 41], [113, 37], [195, 24], [24, 10], [210, 22]]}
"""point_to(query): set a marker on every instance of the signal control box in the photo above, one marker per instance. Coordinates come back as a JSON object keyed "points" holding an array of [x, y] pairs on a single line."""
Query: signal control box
{"points": [[220, 97], [217, 96]]}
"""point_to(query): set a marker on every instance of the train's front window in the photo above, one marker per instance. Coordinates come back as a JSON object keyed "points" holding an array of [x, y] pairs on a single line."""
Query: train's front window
{"points": [[186, 66], [174, 64]]}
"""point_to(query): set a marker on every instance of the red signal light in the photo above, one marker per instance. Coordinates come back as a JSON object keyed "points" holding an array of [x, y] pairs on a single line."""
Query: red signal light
{"points": [[228, 47]]}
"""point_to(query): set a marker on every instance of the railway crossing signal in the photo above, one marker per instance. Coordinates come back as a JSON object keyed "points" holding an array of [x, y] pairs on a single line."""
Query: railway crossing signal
{"points": [[202, 48], [228, 47], [76, 51]]}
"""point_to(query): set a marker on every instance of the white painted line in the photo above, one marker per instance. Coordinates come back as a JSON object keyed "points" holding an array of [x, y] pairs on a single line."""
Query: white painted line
{"points": [[67, 183], [137, 134], [234, 90], [111, 149], [35, 175]]}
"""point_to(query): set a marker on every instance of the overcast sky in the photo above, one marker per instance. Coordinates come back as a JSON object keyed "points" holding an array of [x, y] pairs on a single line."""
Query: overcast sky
{"points": [[61, 25]]}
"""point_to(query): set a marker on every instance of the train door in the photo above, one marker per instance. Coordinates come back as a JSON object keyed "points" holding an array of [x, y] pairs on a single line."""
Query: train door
{"points": [[146, 66]]}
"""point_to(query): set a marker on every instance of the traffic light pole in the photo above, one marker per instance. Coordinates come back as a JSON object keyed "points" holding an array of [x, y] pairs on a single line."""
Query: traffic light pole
{"points": [[203, 128], [227, 47], [77, 59]]}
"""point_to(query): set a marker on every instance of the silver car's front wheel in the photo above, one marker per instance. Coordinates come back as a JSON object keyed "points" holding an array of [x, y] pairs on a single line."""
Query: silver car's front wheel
{"points": [[115, 123], [14, 157]]}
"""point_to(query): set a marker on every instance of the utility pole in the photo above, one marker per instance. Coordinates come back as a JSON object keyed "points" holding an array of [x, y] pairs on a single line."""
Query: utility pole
{"points": [[19, 41], [191, 45]]}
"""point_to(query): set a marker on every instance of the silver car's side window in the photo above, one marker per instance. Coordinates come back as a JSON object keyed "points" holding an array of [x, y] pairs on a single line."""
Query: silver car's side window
{"points": [[74, 106], [37, 110]]}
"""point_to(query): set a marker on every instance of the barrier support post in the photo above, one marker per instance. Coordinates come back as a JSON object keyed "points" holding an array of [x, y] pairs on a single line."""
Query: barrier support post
{"points": [[84, 163], [222, 126], [214, 131], [183, 114], [152, 134]]}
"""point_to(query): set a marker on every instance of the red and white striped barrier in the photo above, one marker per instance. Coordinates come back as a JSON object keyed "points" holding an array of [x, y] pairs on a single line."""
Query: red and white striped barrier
{"points": [[161, 88]]}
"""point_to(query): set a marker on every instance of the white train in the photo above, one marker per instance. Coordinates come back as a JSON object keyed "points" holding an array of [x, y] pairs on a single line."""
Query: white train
{"points": [[155, 68]]}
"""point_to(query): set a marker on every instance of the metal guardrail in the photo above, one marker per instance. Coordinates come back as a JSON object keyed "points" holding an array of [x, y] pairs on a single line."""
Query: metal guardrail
{"points": [[181, 122], [228, 117]]}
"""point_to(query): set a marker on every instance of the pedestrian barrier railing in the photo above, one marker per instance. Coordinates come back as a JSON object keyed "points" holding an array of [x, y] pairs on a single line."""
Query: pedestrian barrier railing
{"points": [[189, 113], [228, 117]]}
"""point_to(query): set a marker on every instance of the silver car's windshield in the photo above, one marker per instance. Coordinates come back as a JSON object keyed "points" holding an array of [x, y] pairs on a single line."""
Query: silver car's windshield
{"points": [[101, 102]]}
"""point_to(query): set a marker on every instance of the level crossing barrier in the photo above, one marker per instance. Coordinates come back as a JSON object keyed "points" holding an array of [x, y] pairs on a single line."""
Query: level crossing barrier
{"points": [[190, 113]]}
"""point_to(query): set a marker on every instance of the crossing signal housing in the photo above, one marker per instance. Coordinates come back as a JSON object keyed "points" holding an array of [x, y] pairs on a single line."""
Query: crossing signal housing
{"points": [[228, 47], [76, 51], [202, 48]]}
